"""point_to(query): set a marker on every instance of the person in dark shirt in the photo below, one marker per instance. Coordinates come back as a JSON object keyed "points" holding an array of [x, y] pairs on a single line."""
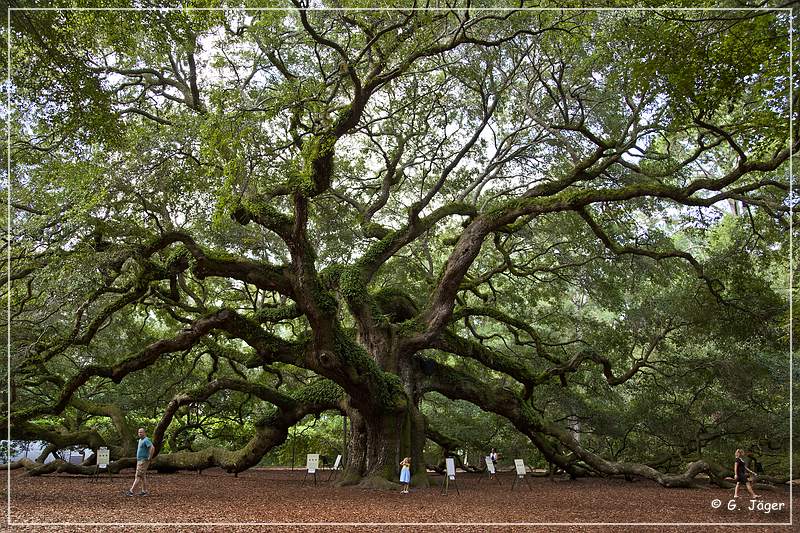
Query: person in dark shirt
{"points": [[740, 476]]}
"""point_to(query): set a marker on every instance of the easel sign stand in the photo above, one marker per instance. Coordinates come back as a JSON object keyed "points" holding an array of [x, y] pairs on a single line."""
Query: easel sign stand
{"points": [[519, 464], [490, 470], [103, 458], [451, 476], [337, 465], [312, 464]]}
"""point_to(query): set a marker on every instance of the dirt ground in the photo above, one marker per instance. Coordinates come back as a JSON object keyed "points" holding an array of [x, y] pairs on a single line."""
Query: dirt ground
{"points": [[273, 499]]}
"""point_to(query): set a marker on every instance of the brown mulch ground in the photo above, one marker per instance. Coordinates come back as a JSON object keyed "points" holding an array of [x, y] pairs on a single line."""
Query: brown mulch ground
{"points": [[264, 497]]}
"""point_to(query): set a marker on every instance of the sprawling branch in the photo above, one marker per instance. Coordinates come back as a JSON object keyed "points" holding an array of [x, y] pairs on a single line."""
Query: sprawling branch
{"points": [[713, 285], [440, 306], [459, 385], [182, 341], [354, 279], [271, 430], [125, 429], [516, 367], [258, 273], [59, 437]]}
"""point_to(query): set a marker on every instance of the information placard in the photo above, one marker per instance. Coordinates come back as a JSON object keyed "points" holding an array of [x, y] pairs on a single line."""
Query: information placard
{"points": [[520, 465], [451, 476], [451, 467], [490, 464], [103, 457], [312, 462], [337, 462]]}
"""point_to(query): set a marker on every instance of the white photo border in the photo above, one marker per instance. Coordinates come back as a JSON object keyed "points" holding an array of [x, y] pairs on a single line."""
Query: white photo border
{"points": [[9, 10]]}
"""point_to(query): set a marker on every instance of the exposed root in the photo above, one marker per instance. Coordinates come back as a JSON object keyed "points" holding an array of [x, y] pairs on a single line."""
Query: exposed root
{"points": [[420, 481], [377, 482], [348, 480]]}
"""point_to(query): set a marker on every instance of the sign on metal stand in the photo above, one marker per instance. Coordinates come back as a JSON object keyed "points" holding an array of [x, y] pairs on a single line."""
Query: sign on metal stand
{"points": [[312, 464], [519, 464], [103, 459], [451, 476], [337, 465], [490, 469]]}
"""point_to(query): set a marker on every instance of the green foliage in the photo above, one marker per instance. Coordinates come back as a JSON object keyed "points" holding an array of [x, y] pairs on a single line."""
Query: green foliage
{"points": [[477, 431], [321, 435], [225, 126], [320, 393]]}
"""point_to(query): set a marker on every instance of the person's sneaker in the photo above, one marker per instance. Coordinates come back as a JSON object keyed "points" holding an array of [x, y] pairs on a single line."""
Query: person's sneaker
{"points": [[128, 493], [143, 493]]}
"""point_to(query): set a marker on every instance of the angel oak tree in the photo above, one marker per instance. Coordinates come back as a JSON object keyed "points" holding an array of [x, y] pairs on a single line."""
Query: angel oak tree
{"points": [[232, 219]]}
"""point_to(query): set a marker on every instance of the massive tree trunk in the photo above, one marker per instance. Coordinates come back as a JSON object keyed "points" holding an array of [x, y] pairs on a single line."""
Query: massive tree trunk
{"points": [[379, 442], [380, 439], [374, 447]]}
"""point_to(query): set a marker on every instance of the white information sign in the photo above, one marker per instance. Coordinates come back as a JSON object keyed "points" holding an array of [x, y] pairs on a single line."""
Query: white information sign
{"points": [[312, 462], [451, 467], [103, 457], [490, 464], [520, 464], [336, 463]]}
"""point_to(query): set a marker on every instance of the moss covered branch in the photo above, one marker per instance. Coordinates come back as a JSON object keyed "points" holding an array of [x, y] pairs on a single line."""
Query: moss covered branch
{"points": [[459, 385]]}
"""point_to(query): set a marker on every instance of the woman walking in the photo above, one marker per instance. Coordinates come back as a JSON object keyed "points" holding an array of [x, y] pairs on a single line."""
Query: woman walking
{"points": [[740, 476]]}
